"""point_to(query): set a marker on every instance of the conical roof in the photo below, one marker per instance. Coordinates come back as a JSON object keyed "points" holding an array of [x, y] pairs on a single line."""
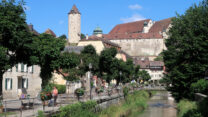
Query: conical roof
{"points": [[50, 32], [74, 10]]}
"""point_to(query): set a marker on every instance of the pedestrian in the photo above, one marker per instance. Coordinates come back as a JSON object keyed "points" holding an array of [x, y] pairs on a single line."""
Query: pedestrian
{"points": [[55, 94]]}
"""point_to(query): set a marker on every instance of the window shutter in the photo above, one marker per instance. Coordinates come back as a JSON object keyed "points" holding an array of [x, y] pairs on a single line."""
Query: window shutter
{"points": [[22, 67], [27, 84], [16, 67], [6, 83], [22, 83], [11, 83]]}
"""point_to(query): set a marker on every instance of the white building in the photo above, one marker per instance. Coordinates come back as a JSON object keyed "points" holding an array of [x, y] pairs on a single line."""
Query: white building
{"points": [[155, 69], [21, 79]]}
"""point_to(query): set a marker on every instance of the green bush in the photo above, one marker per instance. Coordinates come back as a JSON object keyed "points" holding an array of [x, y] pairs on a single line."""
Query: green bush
{"points": [[125, 91], [135, 103], [79, 109], [185, 107], [201, 86], [40, 114], [61, 88]]}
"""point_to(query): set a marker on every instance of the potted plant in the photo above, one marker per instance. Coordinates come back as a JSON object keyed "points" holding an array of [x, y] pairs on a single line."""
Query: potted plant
{"points": [[99, 90], [79, 92], [1, 104]]}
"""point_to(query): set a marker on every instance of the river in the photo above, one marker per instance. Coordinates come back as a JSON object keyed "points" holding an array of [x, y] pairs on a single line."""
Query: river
{"points": [[160, 105]]}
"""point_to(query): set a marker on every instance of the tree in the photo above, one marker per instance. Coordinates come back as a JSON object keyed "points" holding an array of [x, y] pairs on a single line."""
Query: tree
{"points": [[106, 62], [63, 37], [83, 36], [144, 75], [186, 55], [48, 51], [15, 38]]}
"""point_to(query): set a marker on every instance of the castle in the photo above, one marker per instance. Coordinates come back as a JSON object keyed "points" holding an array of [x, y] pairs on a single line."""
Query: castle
{"points": [[139, 39]]}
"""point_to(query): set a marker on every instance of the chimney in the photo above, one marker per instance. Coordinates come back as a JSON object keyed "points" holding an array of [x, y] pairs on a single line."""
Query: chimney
{"points": [[86, 36]]}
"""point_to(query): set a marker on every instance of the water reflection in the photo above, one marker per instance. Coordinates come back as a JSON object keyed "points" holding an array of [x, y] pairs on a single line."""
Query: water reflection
{"points": [[160, 105]]}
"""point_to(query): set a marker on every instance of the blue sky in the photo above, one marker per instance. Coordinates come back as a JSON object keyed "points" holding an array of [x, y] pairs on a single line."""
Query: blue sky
{"points": [[53, 14]]}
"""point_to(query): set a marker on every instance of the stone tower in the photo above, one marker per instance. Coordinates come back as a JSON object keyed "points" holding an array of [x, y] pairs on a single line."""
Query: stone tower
{"points": [[74, 25]]}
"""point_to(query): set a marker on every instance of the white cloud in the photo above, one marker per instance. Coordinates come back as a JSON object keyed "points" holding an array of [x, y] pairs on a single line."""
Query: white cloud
{"points": [[134, 17], [61, 22], [135, 7]]}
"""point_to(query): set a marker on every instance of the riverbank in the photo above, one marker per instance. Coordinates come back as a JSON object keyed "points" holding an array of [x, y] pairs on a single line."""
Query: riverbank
{"points": [[133, 104], [192, 109]]}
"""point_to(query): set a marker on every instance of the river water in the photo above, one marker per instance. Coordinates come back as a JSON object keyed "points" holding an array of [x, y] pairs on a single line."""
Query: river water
{"points": [[160, 105]]}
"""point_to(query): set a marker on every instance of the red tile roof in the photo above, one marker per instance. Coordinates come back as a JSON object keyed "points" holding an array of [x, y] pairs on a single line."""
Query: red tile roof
{"points": [[132, 27], [161, 25], [32, 30], [74, 10], [50, 32], [133, 36], [133, 30]]}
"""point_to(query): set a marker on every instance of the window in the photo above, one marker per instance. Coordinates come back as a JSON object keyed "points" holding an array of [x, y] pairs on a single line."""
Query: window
{"points": [[24, 83], [8, 84], [16, 67], [22, 67]]}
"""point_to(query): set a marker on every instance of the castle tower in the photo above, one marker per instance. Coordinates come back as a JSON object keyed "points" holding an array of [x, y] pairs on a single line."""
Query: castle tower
{"points": [[74, 25]]}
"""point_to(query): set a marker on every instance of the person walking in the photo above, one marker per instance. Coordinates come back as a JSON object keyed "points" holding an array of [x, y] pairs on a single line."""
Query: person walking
{"points": [[55, 94]]}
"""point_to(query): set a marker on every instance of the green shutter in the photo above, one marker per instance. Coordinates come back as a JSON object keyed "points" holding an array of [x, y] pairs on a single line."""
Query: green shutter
{"points": [[11, 83], [16, 67], [22, 67], [27, 84], [6, 83], [22, 83]]}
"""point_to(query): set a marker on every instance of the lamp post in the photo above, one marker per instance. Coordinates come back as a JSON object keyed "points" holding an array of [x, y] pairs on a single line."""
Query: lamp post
{"points": [[90, 67], [120, 73]]}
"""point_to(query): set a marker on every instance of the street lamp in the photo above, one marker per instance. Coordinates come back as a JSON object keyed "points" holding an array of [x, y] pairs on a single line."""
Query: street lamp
{"points": [[90, 67], [120, 75]]}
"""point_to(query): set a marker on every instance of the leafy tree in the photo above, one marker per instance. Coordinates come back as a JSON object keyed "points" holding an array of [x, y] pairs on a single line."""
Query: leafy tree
{"points": [[48, 51], [144, 75], [63, 37], [83, 36], [15, 38], [106, 62], [89, 49], [159, 58], [186, 55], [68, 66]]}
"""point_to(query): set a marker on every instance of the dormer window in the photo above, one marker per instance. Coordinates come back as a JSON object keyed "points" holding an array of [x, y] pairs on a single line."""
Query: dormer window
{"points": [[145, 23]]}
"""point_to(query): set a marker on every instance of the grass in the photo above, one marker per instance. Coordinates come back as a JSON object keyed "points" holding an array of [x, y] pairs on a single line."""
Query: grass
{"points": [[133, 105], [7, 113]]}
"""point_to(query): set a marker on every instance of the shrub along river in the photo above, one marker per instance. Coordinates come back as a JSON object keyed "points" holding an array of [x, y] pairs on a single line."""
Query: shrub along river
{"points": [[160, 105]]}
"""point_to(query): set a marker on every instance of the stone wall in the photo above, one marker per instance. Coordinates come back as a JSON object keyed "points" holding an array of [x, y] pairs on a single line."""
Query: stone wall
{"points": [[141, 47]]}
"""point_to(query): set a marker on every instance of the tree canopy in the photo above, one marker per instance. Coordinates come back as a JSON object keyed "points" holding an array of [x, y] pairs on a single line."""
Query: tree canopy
{"points": [[15, 38], [186, 55]]}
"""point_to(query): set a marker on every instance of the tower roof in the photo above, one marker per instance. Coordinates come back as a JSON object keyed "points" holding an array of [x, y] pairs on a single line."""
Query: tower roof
{"points": [[97, 30], [50, 32], [74, 10]]}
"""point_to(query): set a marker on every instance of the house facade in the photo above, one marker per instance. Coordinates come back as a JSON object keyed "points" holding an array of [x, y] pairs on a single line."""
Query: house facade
{"points": [[155, 69], [21, 79]]}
